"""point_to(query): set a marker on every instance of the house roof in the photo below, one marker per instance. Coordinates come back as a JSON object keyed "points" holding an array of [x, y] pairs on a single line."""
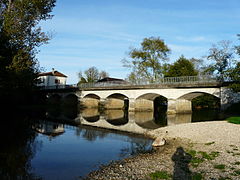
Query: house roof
{"points": [[108, 79], [52, 73]]}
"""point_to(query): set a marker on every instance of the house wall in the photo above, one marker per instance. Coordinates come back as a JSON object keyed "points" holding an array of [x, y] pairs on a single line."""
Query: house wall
{"points": [[51, 80]]}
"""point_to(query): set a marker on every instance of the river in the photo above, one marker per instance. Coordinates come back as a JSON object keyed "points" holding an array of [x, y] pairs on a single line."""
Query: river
{"points": [[68, 143]]}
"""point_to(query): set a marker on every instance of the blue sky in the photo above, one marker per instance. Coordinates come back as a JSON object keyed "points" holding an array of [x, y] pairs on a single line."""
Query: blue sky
{"points": [[99, 32]]}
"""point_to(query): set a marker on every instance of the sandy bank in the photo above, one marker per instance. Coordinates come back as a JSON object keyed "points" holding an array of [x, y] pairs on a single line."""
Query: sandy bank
{"points": [[216, 147], [220, 132]]}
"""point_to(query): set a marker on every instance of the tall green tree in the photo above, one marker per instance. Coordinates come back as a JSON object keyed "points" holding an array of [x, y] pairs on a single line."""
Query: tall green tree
{"points": [[147, 62], [20, 36], [182, 67]]}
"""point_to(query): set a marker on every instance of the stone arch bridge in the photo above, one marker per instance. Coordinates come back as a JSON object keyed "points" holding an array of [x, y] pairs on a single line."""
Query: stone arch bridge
{"points": [[141, 97]]}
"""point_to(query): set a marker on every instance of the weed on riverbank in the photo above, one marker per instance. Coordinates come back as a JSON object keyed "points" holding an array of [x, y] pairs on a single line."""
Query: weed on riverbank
{"points": [[234, 120]]}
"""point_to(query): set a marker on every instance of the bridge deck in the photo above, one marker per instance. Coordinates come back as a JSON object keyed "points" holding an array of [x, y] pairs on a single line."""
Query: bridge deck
{"points": [[153, 86]]}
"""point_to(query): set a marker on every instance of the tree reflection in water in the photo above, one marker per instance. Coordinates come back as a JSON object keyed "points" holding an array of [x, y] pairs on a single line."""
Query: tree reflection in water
{"points": [[18, 147], [91, 134], [136, 146]]}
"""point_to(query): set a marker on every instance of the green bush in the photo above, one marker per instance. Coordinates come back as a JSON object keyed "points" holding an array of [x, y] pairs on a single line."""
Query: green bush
{"points": [[235, 120]]}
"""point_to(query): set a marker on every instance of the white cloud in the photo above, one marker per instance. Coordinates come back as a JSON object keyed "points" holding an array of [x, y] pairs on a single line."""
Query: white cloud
{"points": [[193, 39]]}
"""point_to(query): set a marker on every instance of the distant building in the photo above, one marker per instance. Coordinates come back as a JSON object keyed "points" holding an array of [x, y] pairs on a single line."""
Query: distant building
{"points": [[53, 78], [112, 80]]}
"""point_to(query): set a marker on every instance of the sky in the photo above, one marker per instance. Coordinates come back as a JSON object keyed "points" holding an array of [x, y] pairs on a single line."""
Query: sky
{"points": [[99, 33]]}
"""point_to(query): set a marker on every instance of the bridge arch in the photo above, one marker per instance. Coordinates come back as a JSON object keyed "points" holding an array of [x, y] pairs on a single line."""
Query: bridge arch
{"points": [[149, 96], [150, 102], [70, 99], [90, 101], [190, 96], [91, 95], [54, 98], [117, 101], [184, 103], [203, 100]]}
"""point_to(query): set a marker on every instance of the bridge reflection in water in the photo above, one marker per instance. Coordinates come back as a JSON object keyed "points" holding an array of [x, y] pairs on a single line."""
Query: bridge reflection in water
{"points": [[134, 122]]}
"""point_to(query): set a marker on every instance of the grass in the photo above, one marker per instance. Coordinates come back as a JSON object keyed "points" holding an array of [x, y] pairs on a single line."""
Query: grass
{"points": [[201, 156], [160, 175], [234, 120], [237, 172], [197, 176], [219, 166]]}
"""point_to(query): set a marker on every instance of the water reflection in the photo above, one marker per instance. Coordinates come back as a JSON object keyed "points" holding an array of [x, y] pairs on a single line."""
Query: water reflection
{"points": [[91, 134], [91, 114], [80, 150], [116, 117], [51, 129], [136, 122], [18, 147], [174, 119], [145, 120], [135, 147]]}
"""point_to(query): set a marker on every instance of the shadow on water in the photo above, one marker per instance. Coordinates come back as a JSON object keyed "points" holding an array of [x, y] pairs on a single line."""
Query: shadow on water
{"points": [[199, 115], [18, 146]]}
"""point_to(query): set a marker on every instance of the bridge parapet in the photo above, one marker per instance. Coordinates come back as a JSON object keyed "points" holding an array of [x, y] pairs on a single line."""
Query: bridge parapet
{"points": [[167, 81]]}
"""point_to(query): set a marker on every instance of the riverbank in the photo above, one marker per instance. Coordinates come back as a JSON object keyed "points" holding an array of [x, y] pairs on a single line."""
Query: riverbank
{"points": [[205, 150]]}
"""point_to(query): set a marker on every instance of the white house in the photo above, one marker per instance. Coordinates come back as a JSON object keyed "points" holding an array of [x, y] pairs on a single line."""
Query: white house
{"points": [[53, 78]]}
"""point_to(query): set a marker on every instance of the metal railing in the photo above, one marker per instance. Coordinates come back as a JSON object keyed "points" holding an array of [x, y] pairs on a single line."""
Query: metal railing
{"points": [[161, 81]]}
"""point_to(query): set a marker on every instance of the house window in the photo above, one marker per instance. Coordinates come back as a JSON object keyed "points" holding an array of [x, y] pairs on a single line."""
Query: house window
{"points": [[57, 81]]}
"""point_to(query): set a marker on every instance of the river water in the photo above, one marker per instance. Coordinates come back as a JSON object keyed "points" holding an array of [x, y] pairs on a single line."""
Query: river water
{"points": [[68, 143]]}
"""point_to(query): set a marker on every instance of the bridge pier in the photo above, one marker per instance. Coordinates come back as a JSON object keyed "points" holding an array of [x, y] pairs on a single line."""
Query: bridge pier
{"points": [[176, 106], [131, 106]]}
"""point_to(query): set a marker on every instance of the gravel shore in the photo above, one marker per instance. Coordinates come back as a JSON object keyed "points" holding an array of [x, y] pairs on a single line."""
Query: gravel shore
{"points": [[204, 150]]}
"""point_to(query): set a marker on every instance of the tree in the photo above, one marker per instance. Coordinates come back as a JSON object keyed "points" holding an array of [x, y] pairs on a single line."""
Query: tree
{"points": [[234, 75], [198, 65], [103, 74], [147, 61], [91, 75], [20, 36], [182, 67], [222, 56], [237, 48]]}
